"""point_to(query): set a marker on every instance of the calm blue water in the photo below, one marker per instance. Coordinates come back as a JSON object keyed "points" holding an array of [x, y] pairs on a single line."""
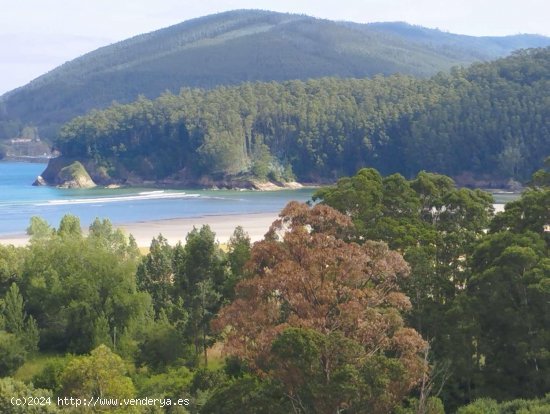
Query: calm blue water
{"points": [[19, 201]]}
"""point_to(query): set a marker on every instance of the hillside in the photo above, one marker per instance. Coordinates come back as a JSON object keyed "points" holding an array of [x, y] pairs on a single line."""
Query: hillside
{"points": [[488, 122], [235, 47]]}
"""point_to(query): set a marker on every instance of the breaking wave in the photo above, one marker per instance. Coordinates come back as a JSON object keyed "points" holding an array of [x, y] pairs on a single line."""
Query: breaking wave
{"points": [[146, 195]]}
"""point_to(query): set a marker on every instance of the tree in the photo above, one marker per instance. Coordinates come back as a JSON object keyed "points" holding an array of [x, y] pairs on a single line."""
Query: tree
{"points": [[14, 312], [433, 223], [203, 260], [204, 302], [172, 383], [529, 213], [73, 282], [11, 389], [238, 250], [237, 255], [17, 322], [11, 261], [102, 374], [200, 278], [50, 376], [304, 276], [481, 406], [327, 373], [69, 226], [39, 228], [490, 406], [103, 233], [262, 161], [155, 273], [102, 333], [12, 354], [248, 395], [509, 296], [541, 178], [360, 197], [163, 345]]}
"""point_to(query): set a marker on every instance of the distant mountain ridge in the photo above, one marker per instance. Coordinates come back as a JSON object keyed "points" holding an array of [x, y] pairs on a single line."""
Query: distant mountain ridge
{"points": [[234, 47], [493, 46]]}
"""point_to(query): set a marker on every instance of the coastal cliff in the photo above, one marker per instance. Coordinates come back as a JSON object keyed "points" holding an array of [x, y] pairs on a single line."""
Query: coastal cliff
{"points": [[66, 172], [71, 175]]}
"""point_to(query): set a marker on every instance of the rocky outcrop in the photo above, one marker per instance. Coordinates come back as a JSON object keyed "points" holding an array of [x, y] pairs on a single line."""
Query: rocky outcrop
{"points": [[486, 181], [225, 182], [74, 176], [65, 174], [39, 181], [274, 186]]}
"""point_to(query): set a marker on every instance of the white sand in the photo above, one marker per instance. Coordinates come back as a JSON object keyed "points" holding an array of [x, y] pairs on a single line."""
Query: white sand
{"points": [[174, 230], [15, 239]]}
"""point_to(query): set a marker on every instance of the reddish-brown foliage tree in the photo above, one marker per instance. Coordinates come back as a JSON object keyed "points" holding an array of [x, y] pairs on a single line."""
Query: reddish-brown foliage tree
{"points": [[304, 275]]}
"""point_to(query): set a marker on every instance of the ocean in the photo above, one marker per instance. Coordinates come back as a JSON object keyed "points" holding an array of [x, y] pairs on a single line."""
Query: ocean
{"points": [[19, 201]]}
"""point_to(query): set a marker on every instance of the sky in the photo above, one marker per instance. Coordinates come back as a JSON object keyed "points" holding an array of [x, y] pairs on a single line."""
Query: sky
{"points": [[38, 35]]}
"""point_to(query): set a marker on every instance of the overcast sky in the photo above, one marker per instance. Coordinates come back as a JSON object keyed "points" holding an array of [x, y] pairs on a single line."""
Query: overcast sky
{"points": [[38, 35]]}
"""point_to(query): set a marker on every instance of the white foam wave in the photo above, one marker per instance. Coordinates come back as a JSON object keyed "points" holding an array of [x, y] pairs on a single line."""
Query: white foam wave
{"points": [[148, 195]]}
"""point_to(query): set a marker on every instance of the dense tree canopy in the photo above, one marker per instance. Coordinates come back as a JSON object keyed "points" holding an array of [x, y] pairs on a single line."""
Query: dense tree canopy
{"points": [[485, 121], [479, 298], [387, 295], [74, 284], [344, 303], [234, 47], [509, 293]]}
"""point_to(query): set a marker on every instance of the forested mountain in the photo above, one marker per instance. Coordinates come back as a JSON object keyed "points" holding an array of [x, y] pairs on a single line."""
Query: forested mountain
{"points": [[453, 44], [489, 121], [234, 47]]}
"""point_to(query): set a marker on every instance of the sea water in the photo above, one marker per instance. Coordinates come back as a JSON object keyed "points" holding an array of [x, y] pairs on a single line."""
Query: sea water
{"points": [[19, 201]]}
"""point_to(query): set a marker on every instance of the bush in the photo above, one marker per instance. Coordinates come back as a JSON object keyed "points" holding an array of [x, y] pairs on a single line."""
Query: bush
{"points": [[163, 345], [12, 354], [10, 388], [50, 376], [481, 406]]}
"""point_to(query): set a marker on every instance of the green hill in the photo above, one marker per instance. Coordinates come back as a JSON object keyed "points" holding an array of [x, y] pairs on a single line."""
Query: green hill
{"points": [[488, 122], [235, 47]]}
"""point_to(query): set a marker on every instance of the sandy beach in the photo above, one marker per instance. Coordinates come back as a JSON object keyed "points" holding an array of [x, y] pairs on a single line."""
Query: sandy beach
{"points": [[256, 225], [174, 230]]}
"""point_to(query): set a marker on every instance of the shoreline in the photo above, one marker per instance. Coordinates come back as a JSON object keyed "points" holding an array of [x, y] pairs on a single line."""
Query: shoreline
{"points": [[25, 159], [176, 229]]}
